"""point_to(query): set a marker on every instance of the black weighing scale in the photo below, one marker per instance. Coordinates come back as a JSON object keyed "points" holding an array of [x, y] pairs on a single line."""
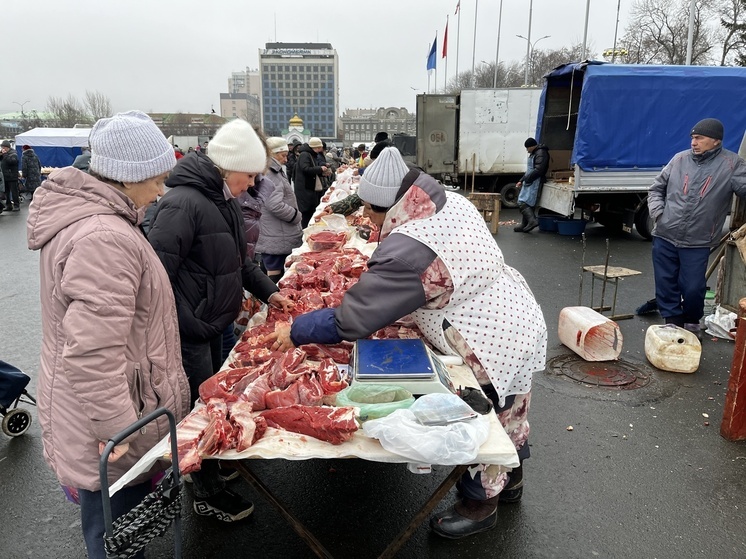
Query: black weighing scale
{"points": [[406, 363]]}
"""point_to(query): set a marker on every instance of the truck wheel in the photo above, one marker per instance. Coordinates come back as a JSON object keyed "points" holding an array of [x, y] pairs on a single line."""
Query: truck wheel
{"points": [[509, 196], [644, 223]]}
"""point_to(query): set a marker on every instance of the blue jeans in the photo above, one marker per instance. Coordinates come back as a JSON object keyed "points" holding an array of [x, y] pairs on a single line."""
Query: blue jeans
{"points": [[92, 514], [680, 283], [201, 360]]}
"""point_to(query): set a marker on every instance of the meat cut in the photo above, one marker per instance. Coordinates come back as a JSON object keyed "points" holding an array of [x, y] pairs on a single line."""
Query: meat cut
{"points": [[333, 425]]}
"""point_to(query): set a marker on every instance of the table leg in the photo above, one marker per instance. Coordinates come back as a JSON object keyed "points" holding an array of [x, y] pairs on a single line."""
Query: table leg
{"points": [[423, 513], [294, 522]]}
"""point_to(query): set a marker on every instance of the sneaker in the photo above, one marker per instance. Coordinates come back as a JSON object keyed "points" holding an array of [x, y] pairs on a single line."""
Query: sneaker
{"points": [[226, 506], [225, 474], [694, 328]]}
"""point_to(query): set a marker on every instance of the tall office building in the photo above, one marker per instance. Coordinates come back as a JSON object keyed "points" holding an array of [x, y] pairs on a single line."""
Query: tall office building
{"points": [[302, 79]]}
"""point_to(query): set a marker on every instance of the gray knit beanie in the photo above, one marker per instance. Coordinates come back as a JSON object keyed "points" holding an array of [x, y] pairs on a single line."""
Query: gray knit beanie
{"points": [[236, 147], [382, 178], [129, 147], [710, 127]]}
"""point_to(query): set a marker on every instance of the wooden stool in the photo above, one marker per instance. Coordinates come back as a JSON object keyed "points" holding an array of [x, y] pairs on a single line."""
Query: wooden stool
{"points": [[605, 273], [488, 204]]}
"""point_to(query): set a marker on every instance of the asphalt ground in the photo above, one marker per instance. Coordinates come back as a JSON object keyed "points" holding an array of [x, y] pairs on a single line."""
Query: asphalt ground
{"points": [[640, 475]]}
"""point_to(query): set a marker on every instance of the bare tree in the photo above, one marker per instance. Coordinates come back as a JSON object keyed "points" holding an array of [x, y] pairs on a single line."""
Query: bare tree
{"points": [[658, 30], [732, 34], [68, 112], [30, 120], [97, 104]]}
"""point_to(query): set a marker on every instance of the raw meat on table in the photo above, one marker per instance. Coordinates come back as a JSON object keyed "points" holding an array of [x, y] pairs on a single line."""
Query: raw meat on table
{"points": [[326, 240], [333, 425]]}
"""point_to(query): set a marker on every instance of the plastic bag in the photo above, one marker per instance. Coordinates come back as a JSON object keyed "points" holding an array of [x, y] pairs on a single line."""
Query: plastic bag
{"points": [[375, 400], [721, 323], [448, 445]]}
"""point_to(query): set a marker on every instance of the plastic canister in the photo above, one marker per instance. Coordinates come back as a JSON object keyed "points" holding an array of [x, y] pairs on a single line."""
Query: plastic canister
{"points": [[590, 334], [709, 303], [673, 349]]}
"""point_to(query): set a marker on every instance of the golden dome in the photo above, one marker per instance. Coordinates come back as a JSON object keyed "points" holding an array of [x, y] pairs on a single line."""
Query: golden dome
{"points": [[296, 121]]}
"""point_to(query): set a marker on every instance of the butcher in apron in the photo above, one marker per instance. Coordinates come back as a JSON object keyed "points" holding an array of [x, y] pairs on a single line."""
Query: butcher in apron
{"points": [[438, 262]]}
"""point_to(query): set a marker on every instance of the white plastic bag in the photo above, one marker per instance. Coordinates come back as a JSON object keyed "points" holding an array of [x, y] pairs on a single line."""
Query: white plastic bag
{"points": [[448, 445], [721, 323]]}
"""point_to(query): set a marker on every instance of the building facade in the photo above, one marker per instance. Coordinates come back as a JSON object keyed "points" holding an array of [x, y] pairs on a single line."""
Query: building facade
{"points": [[240, 105], [299, 79], [362, 125], [243, 99]]}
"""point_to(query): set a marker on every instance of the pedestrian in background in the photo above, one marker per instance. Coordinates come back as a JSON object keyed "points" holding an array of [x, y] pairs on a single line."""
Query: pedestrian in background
{"points": [[83, 161], [109, 330], [9, 167], [531, 181], [31, 169], [280, 224], [689, 201], [198, 233], [309, 173]]}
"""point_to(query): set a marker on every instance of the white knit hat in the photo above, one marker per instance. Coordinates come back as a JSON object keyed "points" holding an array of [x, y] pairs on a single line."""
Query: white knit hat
{"points": [[315, 143], [129, 147], [277, 144], [382, 178], [236, 147]]}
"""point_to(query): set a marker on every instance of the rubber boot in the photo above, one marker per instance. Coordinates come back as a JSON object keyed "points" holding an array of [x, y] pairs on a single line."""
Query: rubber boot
{"points": [[524, 222], [532, 222]]}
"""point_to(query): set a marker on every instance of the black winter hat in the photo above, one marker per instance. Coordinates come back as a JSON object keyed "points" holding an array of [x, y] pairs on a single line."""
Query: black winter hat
{"points": [[381, 136], [530, 143], [710, 127], [378, 148]]}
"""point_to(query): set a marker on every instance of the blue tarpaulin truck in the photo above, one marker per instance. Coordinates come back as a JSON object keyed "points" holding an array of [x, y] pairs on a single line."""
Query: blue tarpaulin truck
{"points": [[611, 128]]}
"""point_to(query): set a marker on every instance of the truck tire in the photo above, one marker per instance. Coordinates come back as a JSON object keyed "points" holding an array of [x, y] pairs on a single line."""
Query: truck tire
{"points": [[643, 222], [509, 196]]}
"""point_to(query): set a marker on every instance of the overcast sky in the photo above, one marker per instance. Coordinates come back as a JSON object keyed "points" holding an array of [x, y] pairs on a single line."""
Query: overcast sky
{"points": [[169, 56]]}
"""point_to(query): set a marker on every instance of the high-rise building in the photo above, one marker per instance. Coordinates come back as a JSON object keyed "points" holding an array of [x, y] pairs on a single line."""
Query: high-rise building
{"points": [[302, 79], [243, 98]]}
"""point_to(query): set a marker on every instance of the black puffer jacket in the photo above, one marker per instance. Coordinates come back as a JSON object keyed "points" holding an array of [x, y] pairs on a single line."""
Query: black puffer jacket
{"points": [[306, 171], [541, 165], [9, 166], [199, 237]]}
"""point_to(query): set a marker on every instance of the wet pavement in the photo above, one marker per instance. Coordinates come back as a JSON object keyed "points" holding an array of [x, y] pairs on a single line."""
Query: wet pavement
{"points": [[640, 474]]}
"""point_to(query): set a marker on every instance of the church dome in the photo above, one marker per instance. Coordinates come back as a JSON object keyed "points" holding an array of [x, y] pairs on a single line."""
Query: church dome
{"points": [[296, 121]]}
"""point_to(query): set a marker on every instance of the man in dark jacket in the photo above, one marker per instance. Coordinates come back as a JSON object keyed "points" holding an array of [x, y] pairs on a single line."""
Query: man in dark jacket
{"points": [[31, 168], [689, 200], [9, 166], [198, 233], [293, 148], [531, 181], [308, 190]]}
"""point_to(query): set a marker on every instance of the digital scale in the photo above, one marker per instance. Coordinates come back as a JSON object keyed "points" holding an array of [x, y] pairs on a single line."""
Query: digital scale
{"points": [[406, 363]]}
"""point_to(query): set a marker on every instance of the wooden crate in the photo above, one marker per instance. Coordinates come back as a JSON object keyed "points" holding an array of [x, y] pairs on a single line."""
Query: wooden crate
{"points": [[488, 204]]}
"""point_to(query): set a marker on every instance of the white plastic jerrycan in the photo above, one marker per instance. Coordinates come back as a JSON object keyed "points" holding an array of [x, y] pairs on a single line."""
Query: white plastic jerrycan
{"points": [[590, 334], [673, 349]]}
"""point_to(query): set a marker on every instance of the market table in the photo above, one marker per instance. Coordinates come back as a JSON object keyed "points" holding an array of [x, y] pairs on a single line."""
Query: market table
{"points": [[279, 444]]}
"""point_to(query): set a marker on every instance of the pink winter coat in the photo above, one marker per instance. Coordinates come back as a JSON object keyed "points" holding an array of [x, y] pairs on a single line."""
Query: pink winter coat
{"points": [[110, 339]]}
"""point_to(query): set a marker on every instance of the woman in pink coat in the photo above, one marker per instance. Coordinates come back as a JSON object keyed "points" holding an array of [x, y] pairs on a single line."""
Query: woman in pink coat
{"points": [[110, 341]]}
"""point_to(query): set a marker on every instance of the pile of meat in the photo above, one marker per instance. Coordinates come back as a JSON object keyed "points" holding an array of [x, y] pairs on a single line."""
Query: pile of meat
{"points": [[292, 390]]}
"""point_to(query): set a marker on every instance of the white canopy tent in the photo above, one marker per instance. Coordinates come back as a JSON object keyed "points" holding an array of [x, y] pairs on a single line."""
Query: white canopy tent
{"points": [[56, 147]]}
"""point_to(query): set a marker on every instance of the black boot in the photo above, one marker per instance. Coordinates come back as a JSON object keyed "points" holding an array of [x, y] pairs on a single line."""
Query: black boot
{"points": [[524, 222], [532, 222], [467, 517]]}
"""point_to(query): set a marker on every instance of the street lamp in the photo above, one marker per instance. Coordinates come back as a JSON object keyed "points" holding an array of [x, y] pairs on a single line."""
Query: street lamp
{"points": [[530, 52], [21, 105]]}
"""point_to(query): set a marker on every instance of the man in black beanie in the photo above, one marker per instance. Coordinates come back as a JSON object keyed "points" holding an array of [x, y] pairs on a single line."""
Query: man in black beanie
{"points": [[531, 181], [689, 201], [381, 137]]}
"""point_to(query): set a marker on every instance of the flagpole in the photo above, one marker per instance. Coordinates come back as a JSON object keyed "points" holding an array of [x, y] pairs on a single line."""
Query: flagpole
{"points": [[445, 55], [429, 48], [458, 37], [497, 52], [474, 46], [436, 61]]}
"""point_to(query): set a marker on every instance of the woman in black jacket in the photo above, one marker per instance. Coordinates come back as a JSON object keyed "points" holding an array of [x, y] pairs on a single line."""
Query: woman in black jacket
{"points": [[198, 233]]}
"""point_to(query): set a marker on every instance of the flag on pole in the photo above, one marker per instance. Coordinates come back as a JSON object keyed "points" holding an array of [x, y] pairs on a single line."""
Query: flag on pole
{"points": [[458, 7], [431, 58], [445, 40]]}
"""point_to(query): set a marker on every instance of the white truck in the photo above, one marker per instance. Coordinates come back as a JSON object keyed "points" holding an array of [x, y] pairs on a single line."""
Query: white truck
{"points": [[478, 133]]}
